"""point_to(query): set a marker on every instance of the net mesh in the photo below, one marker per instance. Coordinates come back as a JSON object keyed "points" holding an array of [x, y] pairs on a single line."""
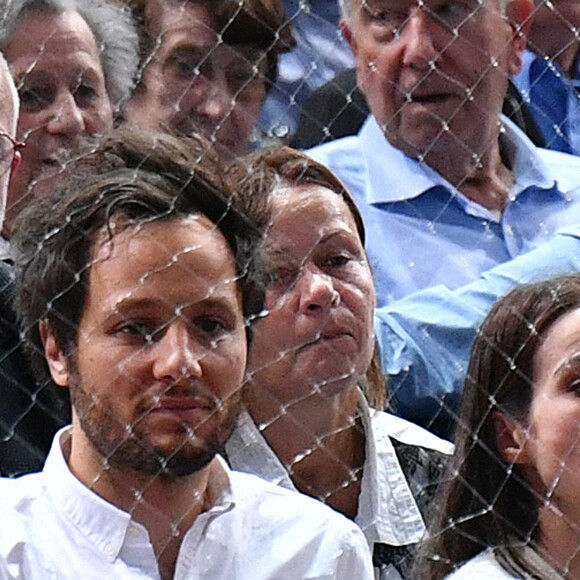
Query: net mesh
{"points": [[217, 87]]}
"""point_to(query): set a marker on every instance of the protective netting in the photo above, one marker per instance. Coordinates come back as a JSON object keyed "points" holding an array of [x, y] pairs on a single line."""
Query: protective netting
{"points": [[456, 204]]}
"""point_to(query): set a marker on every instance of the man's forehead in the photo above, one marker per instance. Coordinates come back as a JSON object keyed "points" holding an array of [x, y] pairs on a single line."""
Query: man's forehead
{"points": [[165, 17], [376, 5]]}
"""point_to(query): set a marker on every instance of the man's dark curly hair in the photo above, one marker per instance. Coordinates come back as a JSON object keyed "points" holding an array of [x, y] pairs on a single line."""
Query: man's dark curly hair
{"points": [[129, 178]]}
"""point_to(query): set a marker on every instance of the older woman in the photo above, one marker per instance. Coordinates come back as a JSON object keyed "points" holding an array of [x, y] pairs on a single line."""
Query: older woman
{"points": [[307, 423], [74, 63], [511, 508]]}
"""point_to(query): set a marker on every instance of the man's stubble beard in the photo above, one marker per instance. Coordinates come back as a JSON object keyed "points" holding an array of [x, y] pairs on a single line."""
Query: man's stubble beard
{"points": [[124, 447]]}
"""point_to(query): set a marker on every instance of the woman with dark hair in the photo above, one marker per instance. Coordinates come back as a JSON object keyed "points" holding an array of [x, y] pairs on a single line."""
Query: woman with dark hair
{"points": [[311, 420], [510, 509]]}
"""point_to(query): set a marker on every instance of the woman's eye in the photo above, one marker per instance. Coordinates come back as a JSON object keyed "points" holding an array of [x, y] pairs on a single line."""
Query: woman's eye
{"points": [[575, 386]]}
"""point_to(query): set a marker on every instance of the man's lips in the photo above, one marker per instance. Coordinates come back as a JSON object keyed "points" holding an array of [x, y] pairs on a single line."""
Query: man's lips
{"points": [[431, 98], [182, 406]]}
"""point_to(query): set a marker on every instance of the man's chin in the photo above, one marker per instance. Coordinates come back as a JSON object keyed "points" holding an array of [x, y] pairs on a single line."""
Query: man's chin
{"points": [[178, 465], [421, 141]]}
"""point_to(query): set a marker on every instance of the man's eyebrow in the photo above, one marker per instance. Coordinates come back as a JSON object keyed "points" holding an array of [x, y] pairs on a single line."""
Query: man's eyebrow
{"points": [[189, 51], [129, 304]]}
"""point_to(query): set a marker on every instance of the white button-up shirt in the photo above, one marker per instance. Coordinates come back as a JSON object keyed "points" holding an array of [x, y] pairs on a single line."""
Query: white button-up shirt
{"points": [[387, 511], [53, 527]]}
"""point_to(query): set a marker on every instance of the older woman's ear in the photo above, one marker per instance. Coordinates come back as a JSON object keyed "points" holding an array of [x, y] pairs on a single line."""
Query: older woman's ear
{"points": [[510, 438]]}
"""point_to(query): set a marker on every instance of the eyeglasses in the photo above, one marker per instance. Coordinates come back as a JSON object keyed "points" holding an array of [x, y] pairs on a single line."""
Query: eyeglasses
{"points": [[8, 149]]}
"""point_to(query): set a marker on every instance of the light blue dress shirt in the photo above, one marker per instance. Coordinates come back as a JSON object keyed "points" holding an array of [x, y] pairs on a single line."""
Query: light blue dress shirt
{"points": [[553, 99], [422, 232], [425, 339]]}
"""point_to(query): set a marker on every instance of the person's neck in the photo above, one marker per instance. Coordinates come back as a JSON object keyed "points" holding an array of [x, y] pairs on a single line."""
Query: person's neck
{"points": [[166, 506], [319, 440], [559, 542], [486, 179]]}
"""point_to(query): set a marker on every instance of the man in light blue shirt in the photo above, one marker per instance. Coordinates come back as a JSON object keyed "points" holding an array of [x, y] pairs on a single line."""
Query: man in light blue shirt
{"points": [[448, 188], [425, 339]]}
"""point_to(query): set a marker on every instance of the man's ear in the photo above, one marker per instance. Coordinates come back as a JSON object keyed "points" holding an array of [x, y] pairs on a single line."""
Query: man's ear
{"points": [[519, 15], [16, 162], [345, 28], [55, 358], [510, 438]]}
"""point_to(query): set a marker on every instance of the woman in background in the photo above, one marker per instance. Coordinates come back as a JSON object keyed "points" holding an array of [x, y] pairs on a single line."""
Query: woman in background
{"points": [[312, 421], [511, 507]]}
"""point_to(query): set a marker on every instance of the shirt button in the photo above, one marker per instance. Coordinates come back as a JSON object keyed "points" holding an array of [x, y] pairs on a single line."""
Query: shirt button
{"points": [[109, 550]]}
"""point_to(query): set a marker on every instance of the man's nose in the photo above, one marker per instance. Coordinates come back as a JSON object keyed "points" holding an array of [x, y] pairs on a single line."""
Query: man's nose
{"points": [[214, 98], [177, 354], [66, 117], [418, 39]]}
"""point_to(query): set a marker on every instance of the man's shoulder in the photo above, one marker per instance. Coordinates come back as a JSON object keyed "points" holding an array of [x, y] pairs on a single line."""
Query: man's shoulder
{"points": [[484, 566], [22, 502], [302, 524], [14, 489], [343, 152], [563, 167]]}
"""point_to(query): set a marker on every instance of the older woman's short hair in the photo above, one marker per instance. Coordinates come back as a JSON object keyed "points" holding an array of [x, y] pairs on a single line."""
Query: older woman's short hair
{"points": [[112, 26]]}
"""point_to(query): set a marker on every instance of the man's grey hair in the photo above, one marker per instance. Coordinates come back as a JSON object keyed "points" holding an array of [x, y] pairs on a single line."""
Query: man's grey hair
{"points": [[346, 12], [112, 26], [5, 71]]}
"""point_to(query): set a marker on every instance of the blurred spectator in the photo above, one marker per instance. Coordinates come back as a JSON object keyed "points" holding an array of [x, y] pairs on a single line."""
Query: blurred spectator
{"points": [[29, 415], [448, 188], [320, 54], [550, 76], [74, 63], [207, 66]]}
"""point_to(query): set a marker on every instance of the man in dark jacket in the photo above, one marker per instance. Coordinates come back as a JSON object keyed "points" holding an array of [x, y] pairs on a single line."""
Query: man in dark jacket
{"points": [[29, 412]]}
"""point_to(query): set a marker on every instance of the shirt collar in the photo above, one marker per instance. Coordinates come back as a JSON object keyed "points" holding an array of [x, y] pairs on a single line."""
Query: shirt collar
{"points": [[100, 522], [387, 510], [393, 176], [248, 451], [6, 251]]}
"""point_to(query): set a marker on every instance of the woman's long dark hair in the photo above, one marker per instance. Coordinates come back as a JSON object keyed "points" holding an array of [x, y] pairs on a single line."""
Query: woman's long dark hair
{"points": [[486, 501]]}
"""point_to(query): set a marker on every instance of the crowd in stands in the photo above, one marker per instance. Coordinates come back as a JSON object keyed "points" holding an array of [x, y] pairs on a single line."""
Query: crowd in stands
{"points": [[289, 289]]}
